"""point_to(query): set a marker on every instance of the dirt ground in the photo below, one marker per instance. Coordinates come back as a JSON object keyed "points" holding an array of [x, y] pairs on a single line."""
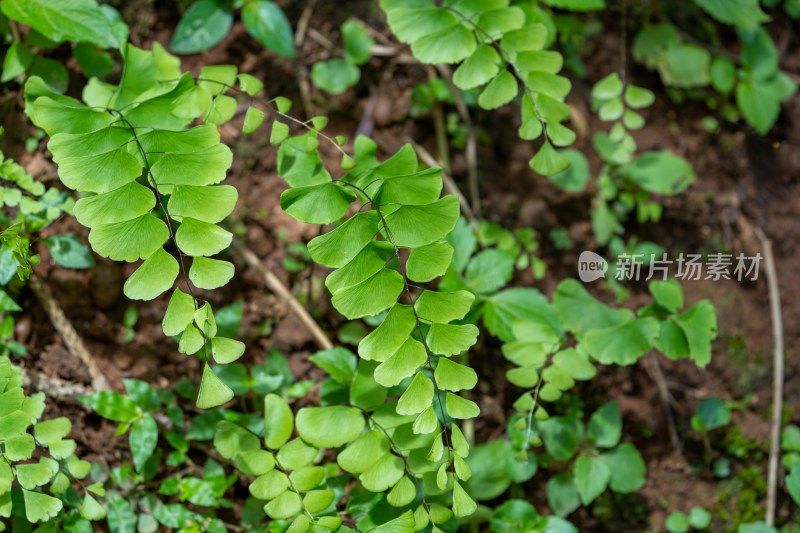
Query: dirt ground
{"points": [[741, 176]]}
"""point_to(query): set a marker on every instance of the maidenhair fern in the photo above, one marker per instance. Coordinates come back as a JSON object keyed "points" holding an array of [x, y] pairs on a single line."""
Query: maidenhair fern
{"points": [[502, 51], [150, 188], [393, 237]]}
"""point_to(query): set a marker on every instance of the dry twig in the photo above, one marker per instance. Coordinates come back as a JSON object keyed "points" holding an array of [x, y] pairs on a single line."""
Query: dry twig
{"points": [[67, 332], [777, 375], [276, 286], [653, 369]]}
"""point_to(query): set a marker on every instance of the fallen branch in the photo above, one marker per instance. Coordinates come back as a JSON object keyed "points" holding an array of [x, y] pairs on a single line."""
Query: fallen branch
{"points": [[276, 286], [777, 375], [653, 369], [67, 332]]}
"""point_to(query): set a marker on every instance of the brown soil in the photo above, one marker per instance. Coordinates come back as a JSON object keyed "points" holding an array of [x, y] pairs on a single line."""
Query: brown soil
{"points": [[740, 176]]}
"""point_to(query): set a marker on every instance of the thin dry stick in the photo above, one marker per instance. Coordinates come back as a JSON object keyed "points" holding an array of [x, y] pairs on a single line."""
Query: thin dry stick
{"points": [[471, 148], [449, 184], [67, 332], [777, 375], [653, 368], [57, 388], [276, 286]]}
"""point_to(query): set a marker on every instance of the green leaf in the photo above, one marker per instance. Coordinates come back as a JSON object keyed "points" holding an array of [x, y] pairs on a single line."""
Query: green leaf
{"points": [[250, 84], [793, 484], [638, 97], [18, 59], [443, 307], [403, 493], [213, 392], [230, 439], [686, 66], [266, 22], [99, 173], [64, 20], [279, 421], [426, 422], [51, 431], [449, 45], [624, 344], [524, 39], [296, 454], [40, 507], [677, 522], [329, 427], [317, 501], [562, 495], [575, 177], [759, 101], [120, 515], [335, 75], [53, 116], [461, 408], [463, 505], [153, 277], [217, 79], [499, 92], [192, 104], [317, 204], [489, 270], [451, 339], [202, 167], [174, 515], [269, 485], [388, 337], [131, 240], [222, 109], [713, 413], [575, 364], [592, 475], [68, 251], [180, 313], [209, 204], [401, 364], [32, 475], [454, 377], [608, 88], [417, 397], [369, 261], [198, 238], [225, 350], [405, 523], [505, 308], [364, 452], [142, 440], [91, 510], [371, 296], [605, 425], [338, 247], [480, 67], [429, 262], [339, 363], [411, 23], [661, 172], [417, 225], [387, 471], [746, 14], [254, 462], [627, 468], [113, 406], [668, 294], [548, 161], [252, 120], [19, 448], [191, 340], [204, 25], [210, 274], [357, 42]]}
